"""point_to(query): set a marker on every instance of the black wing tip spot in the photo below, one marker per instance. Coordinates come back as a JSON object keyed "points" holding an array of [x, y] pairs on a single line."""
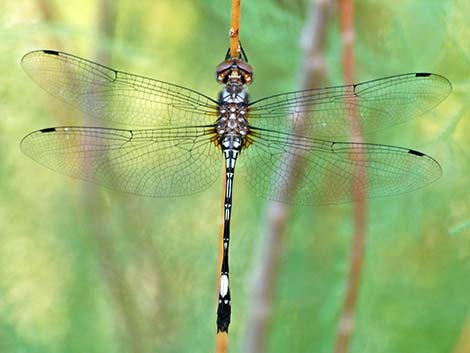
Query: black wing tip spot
{"points": [[423, 74], [49, 129], [51, 52], [416, 153]]}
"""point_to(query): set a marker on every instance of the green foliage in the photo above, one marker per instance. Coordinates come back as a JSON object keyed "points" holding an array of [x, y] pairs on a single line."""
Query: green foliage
{"points": [[84, 269]]}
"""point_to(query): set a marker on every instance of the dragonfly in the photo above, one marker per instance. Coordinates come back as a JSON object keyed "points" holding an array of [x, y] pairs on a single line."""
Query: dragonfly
{"points": [[181, 139]]}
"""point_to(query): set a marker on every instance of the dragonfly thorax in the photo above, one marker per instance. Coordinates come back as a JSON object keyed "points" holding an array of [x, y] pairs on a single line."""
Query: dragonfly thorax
{"points": [[233, 109]]}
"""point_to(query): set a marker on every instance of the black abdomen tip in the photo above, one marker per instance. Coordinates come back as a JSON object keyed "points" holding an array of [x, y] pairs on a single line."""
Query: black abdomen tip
{"points": [[423, 74]]}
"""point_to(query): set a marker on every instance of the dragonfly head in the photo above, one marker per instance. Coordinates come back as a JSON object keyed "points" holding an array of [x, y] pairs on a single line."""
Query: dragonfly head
{"points": [[234, 69]]}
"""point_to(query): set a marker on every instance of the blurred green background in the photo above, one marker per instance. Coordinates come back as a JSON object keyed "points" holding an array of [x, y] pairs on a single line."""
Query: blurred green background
{"points": [[84, 269]]}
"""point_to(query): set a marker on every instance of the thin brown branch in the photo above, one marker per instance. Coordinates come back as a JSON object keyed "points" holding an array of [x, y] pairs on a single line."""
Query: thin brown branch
{"points": [[312, 73], [99, 231], [47, 11], [107, 13], [235, 29], [49, 16], [113, 271], [221, 341], [346, 14], [346, 321]]}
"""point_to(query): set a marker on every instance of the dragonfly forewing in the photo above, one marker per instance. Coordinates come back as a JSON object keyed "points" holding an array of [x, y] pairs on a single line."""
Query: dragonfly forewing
{"points": [[324, 112], [116, 96]]}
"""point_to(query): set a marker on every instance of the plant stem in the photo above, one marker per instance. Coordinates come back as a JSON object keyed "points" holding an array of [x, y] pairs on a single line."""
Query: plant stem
{"points": [[235, 29], [312, 73], [346, 321]]}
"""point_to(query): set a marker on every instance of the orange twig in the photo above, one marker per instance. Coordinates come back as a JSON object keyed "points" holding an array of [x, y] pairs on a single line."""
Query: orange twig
{"points": [[234, 29], [347, 317], [221, 342], [347, 37]]}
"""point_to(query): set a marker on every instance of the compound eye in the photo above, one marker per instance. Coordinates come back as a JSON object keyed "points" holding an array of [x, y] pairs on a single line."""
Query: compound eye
{"points": [[248, 77], [222, 70], [243, 65], [246, 70]]}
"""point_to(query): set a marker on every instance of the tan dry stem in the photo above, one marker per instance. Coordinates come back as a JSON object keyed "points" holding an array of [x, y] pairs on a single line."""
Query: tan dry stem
{"points": [[312, 73], [347, 318], [235, 29]]}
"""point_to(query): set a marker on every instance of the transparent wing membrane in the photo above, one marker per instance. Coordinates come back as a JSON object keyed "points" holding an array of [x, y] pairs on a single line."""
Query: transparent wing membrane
{"points": [[309, 171], [116, 96], [153, 162], [285, 158], [323, 112]]}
